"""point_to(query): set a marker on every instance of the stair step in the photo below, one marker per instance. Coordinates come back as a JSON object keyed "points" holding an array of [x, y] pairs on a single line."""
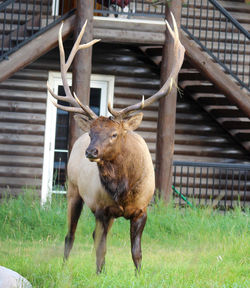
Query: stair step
{"points": [[223, 37], [212, 26], [207, 101], [7, 28], [210, 15], [186, 75], [23, 8], [231, 6], [237, 124], [233, 49], [200, 87], [228, 5], [220, 112], [243, 137]]}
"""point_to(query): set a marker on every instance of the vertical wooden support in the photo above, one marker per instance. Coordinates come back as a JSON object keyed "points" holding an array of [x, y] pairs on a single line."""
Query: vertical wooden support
{"points": [[82, 63], [167, 114]]}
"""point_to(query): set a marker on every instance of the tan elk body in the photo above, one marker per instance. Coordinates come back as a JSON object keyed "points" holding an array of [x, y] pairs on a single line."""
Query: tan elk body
{"points": [[110, 167], [84, 174]]}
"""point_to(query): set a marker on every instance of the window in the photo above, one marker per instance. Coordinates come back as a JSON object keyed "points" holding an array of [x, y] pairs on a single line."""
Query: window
{"points": [[57, 130]]}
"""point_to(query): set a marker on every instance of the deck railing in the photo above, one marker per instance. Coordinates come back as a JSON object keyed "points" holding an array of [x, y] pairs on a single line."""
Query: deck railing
{"points": [[23, 20], [130, 8], [220, 35], [219, 185]]}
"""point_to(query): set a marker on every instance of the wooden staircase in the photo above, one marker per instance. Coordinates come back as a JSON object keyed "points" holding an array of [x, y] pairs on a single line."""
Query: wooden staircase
{"points": [[198, 87], [218, 34]]}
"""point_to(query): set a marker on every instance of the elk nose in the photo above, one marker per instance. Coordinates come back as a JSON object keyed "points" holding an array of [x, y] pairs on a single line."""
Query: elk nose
{"points": [[91, 153]]}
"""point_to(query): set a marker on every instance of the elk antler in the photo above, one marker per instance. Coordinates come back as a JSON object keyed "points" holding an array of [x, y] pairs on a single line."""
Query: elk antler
{"points": [[69, 98], [179, 52]]}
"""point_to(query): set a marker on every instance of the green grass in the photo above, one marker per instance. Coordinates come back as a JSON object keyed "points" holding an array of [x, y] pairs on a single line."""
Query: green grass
{"points": [[181, 247]]}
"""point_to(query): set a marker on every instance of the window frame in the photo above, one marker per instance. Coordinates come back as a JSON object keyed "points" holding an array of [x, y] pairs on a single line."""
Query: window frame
{"points": [[103, 82]]}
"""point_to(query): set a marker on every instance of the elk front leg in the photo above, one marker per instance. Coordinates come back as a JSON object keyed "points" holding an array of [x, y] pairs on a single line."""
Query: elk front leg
{"points": [[102, 228], [137, 225], [75, 204]]}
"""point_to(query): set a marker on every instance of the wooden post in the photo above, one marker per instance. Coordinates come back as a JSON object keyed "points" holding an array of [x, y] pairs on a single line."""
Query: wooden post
{"points": [[167, 113], [82, 63]]}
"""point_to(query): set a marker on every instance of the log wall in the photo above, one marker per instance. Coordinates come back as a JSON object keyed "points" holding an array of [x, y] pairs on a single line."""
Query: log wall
{"points": [[23, 108]]}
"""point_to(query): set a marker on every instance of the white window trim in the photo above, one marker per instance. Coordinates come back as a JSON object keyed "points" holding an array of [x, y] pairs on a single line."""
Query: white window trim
{"points": [[106, 83]]}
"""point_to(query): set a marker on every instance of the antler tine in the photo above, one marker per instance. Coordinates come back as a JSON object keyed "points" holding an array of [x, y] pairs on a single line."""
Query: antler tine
{"points": [[73, 100], [68, 98], [67, 108], [78, 47], [85, 107], [166, 88]]}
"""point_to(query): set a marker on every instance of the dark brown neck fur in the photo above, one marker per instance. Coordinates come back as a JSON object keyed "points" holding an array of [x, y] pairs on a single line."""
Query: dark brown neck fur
{"points": [[114, 178]]}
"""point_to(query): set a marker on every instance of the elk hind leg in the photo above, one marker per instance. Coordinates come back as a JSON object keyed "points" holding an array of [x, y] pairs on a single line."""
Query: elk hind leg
{"points": [[75, 204], [100, 238], [137, 225]]}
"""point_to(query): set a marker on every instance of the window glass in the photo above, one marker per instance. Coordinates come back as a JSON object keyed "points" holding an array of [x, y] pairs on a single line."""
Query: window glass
{"points": [[95, 100], [61, 140]]}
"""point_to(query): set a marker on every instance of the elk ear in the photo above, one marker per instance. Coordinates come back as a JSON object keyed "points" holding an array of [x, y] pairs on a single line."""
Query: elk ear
{"points": [[133, 122], [83, 122]]}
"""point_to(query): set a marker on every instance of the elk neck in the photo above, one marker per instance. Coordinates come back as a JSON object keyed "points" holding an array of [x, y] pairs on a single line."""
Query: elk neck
{"points": [[117, 175]]}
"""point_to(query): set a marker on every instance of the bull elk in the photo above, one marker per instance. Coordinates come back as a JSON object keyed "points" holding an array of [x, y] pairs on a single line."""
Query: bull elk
{"points": [[110, 167]]}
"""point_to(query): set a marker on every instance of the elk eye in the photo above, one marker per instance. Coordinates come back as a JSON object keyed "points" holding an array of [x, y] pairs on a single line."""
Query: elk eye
{"points": [[114, 135]]}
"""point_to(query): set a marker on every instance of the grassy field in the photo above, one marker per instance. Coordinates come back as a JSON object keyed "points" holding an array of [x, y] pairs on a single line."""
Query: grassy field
{"points": [[181, 248]]}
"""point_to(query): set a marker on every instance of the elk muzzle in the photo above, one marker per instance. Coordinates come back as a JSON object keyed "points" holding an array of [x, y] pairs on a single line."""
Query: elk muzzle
{"points": [[92, 154]]}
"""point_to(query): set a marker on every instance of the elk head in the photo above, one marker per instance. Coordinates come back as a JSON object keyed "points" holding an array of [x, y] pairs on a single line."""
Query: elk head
{"points": [[107, 134]]}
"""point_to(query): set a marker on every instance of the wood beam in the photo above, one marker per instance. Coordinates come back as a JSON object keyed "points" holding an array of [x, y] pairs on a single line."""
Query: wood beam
{"points": [[120, 30], [167, 113], [82, 63]]}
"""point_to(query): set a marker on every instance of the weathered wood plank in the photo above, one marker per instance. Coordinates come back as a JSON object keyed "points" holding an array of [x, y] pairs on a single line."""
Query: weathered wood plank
{"points": [[14, 192], [124, 102], [16, 106], [20, 84], [31, 118], [25, 172], [213, 141], [135, 93], [137, 82], [121, 36], [27, 74], [21, 128], [21, 161], [21, 95], [19, 139], [111, 69], [19, 182], [143, 25], [22, 150]]}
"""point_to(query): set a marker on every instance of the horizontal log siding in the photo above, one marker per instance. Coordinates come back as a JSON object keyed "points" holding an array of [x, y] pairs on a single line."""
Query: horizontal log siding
{"points": [[22, 124], [23, 108]]}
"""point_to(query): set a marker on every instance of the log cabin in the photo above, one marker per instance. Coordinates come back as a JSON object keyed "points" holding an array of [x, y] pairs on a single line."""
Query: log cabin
{"points": [[212, 130]]}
